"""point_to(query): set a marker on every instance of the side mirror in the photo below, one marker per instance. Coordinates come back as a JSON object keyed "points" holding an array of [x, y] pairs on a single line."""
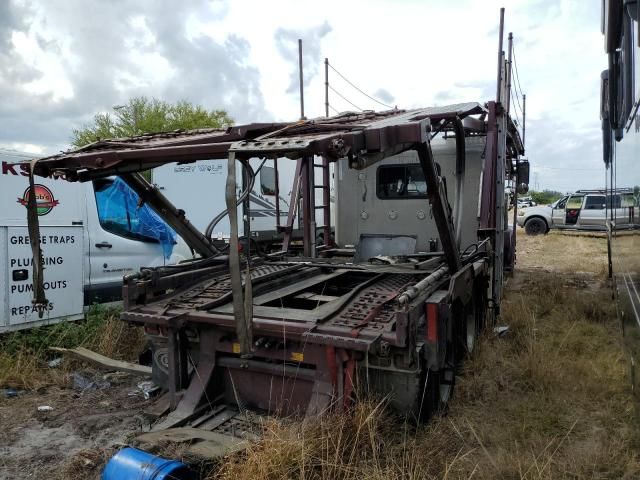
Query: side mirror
{"points": [[522, 166]]}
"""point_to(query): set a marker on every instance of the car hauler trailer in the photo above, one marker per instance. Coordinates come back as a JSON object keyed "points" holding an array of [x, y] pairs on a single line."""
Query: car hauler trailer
{"points": [[385, 310], [620, 116]]}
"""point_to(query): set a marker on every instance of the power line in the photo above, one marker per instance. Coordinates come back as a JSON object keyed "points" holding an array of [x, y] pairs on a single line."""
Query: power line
{"points": [[515, 111], [358, 89], [344, 98], [334, 110], [514, 104], [515, 64]]}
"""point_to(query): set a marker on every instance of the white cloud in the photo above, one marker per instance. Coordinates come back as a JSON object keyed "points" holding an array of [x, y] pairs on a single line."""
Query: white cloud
{"points": [[79, 57]]}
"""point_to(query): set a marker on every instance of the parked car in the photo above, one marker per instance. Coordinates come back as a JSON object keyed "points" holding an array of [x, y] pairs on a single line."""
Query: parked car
{"points": [[584, 210], [526, 202]]}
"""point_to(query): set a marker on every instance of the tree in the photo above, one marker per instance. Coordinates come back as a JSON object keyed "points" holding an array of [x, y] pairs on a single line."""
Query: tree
{"points": [[544, 197], [141, 115]]}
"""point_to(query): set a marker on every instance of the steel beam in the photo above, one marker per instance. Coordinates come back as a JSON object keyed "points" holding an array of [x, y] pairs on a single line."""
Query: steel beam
{"points": [[176, 219], [439, 206]]}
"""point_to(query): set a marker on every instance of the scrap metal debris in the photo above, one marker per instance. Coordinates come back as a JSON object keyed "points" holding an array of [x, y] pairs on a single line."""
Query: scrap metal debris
{"points": [[105, 362]]}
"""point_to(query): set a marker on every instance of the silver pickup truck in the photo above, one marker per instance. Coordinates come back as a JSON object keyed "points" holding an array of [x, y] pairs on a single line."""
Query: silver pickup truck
{"points": [[583, 210]]}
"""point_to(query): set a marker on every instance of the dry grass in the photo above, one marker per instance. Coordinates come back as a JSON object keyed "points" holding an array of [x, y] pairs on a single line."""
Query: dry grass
{"points": [[563, 252], [548, 400], [24, 355]]}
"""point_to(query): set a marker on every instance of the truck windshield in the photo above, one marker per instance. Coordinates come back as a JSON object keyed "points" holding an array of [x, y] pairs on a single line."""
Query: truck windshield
{"points": [[119, 213], [401, 181]]}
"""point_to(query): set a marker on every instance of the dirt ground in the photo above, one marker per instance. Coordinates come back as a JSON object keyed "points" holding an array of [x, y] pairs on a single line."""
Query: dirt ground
{"points": [[550, 399], [78, 431]]}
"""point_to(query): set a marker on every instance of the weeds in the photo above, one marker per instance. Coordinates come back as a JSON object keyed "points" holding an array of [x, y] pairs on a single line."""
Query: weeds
{"points": [[548, 400], [23, 354]]}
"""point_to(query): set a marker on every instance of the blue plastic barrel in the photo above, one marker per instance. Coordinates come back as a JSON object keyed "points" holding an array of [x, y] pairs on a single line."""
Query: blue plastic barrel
{"points": [[133, 464]]}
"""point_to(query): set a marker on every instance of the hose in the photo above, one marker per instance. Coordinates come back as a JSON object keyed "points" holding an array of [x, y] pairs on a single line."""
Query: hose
{"points": [[252, 178]]}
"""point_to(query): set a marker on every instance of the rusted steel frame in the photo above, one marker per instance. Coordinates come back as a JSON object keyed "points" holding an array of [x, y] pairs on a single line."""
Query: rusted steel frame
{"points": [[293, 206], [261, 326], [349, 372], [326, 202], [173, 360], [242, 324], [176, 219], [268, 368], [308, 210], [334, 144], [439, 206], [277, 192], [106, 161], [488, 193], [461, 166]]}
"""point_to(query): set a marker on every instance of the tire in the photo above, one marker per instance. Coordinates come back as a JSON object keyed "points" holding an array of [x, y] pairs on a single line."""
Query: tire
{"points": [[440, 385], [536, 226]]}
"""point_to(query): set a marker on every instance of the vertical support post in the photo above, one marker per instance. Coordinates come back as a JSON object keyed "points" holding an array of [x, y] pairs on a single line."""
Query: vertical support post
{"points": [[508, 73], [308, 208], [293, 206], [500, 210], [246, 213], [439, 206], [326, 87], [242, 329], [301, 79], [173, 358], [326, 201], [277, 192], [500, 43], [524, 118]]}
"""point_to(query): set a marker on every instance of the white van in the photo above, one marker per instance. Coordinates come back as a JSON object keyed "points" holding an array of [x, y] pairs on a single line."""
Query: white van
{"points": [[92, 234]]}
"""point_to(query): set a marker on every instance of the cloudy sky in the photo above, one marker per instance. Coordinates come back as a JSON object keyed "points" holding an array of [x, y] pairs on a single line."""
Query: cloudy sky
{"points": [[62, 61]]}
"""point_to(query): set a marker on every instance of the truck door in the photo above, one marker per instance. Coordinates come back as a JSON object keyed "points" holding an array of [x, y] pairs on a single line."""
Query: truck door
{"points": [[593, 212], [122, 237], [572, 210], [558, 213]]}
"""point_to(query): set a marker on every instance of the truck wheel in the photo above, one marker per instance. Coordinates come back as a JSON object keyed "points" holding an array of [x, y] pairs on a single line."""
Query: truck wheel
{"points": [[440, 383], [535, 226], [471, 327]]}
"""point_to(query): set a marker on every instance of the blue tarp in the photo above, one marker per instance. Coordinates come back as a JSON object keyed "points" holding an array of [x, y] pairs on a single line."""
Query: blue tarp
{"points": [[119, 213]]}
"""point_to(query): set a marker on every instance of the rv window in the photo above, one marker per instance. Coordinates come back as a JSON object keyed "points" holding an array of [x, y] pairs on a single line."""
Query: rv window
{"points": [[594, 202], [119, 213], [268, 180], [401, 181]]}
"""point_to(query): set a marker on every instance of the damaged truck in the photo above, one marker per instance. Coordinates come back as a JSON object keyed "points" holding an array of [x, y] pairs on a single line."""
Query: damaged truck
{"points": [[389, 302]]}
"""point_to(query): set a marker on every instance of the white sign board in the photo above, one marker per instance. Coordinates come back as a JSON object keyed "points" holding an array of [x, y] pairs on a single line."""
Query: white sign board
{"points": [[63, 275]]}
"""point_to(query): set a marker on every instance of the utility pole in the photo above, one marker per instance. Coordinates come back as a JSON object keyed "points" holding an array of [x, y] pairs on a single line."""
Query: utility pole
{"points": [[326, 87], [301, 79], [500, 57]]}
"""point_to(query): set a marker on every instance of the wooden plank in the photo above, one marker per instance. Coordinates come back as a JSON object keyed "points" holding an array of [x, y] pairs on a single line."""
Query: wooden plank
{"points": [[105, 362]]}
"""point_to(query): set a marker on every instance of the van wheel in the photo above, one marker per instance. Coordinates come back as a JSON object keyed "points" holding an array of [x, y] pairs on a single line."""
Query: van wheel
{"points": [[535, 226]]}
